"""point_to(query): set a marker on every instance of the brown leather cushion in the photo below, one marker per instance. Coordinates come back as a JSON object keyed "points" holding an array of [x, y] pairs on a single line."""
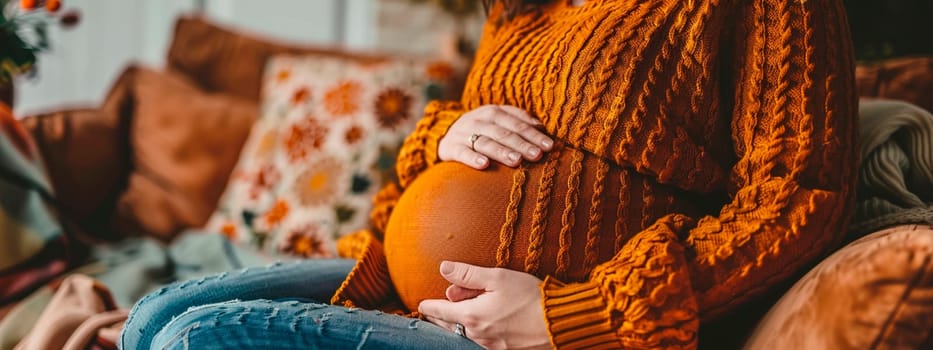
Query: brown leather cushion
{"points": [[876, 292], [87, 183], [908, 79], [185, 143], [223, 60]]}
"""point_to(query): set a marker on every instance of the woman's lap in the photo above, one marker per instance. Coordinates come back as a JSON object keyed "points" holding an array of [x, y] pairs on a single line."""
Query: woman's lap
{"points": [[260, 307], [306, 279], [267, 324]]}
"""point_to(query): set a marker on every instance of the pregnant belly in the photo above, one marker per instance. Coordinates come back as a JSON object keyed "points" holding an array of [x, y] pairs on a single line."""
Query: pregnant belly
{"points": [[514, 218]]}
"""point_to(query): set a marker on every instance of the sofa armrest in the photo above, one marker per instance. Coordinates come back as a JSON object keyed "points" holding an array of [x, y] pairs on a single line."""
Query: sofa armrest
{"points": [[876, 292]]}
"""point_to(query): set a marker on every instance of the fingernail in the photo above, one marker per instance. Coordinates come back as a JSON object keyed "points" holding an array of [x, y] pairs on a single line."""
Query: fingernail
{"points": [[480, 160], [534, 152], [514, 156], [446, 268], [547, 143]]}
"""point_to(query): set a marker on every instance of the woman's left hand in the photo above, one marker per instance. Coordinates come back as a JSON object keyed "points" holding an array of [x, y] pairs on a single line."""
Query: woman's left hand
{"points": [[498, 308]]}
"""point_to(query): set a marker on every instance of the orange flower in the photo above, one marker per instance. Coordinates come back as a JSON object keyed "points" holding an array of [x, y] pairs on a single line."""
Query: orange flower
{"points": [[229, 231], [440, 70], [303, 137], [267, 143], [319, 184], [283, 75], [307, 241], [353, 134], [342, 99], [392, 107], [301, 96], [28, 4], [278, 213], [263, 180], [267, 176], [53, 5]]}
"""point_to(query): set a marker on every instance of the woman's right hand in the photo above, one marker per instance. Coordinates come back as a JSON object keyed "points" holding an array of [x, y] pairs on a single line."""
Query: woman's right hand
{"points": [[503, 133]]}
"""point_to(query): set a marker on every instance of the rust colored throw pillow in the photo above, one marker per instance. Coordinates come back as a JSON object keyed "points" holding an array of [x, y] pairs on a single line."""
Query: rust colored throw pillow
{"points": [[907, 79], [86, 158], [184, 144], [86, 154], [326, 142], [228, 61], [875, 293]]}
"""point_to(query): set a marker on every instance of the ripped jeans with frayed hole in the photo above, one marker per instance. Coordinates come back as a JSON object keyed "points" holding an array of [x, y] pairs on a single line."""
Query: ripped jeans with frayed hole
{"points": [[273, 307]]}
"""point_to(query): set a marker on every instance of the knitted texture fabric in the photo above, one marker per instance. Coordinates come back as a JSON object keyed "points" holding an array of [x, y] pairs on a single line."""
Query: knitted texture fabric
{"points": [[746, 108], [896, 175]]}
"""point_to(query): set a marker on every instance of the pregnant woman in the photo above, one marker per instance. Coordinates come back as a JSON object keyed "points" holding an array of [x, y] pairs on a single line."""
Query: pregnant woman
{"points": [[616, 173]]}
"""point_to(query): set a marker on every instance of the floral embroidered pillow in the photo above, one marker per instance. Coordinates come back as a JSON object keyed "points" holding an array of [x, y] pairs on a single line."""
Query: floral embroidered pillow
{"points": [[325, 143]]}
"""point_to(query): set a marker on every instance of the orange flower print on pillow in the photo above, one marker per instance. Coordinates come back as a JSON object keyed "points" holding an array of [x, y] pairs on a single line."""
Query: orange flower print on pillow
{"points": [[343, 99], [325, 144], [304, 137], [319, 184], [301, 96], [229, 230], [392, 107], [308, 241], [265, 178], [277, 213], [353, 134], [267, 144], [283, 75]]}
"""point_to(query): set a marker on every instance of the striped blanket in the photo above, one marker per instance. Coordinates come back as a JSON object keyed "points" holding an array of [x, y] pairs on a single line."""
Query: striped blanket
{"points": [[33, 246]]}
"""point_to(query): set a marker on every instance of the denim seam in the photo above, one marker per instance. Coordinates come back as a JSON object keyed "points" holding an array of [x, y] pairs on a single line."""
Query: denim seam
{"points": [[182, 335]]}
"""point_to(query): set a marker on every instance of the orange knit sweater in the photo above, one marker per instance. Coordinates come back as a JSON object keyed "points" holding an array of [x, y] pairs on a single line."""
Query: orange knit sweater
{"points": [[746, 105]]}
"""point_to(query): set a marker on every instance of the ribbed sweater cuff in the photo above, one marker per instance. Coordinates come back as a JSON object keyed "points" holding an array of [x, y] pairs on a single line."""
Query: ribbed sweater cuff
{"points": [[368, 285], [444, 115], [577, 316]]}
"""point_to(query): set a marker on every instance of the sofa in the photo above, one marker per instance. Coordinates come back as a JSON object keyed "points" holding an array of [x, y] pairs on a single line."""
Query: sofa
{"points": [[154, 158]]}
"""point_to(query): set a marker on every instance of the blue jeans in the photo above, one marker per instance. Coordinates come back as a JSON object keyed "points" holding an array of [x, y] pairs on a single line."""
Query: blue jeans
{"points": [[273, 307]]}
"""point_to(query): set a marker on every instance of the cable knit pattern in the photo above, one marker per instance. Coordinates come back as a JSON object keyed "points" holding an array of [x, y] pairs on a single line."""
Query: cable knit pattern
{"points": [[420, 148], [383, 203], [647, 284], [742, 110]]}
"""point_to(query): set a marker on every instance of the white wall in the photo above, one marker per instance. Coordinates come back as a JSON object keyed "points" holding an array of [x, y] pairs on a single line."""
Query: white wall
{"points": [[113, 33], [418, 29]]}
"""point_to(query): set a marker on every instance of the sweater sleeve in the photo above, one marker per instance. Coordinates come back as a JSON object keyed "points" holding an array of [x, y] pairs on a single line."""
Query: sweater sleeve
{"points": [[792, 187], [368, 284], [419, 152]]}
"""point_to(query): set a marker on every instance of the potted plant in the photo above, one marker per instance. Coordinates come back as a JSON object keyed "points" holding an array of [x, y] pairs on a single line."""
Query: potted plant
{"points": [[24, 26]]}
